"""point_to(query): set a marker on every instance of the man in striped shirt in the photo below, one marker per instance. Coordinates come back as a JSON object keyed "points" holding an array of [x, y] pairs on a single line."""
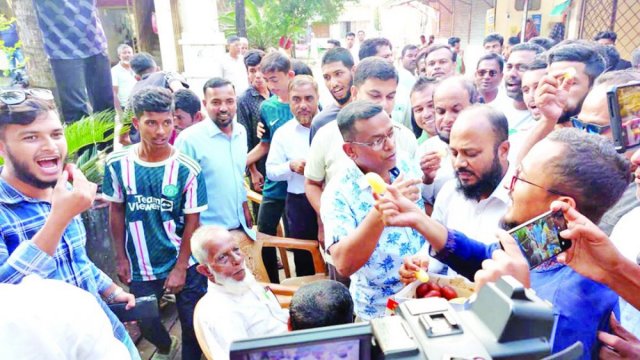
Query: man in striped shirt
{"points": [[157, 194]]}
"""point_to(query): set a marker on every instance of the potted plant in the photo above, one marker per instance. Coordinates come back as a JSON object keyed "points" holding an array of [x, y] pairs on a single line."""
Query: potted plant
{"points": [[8, 31]]}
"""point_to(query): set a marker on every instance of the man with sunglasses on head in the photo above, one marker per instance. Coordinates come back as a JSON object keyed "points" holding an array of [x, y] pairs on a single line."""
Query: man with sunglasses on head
{"points": [[360, 245], [489, 76], [567, 166], [40, 228]]}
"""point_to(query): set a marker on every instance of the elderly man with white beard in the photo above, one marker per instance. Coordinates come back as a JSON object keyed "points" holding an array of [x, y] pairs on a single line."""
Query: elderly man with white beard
{"points": [[235, 307]]}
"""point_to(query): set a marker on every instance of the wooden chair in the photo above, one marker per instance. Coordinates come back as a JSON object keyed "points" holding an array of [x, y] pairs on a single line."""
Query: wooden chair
{"points": [[200, 334], [252, 251]]}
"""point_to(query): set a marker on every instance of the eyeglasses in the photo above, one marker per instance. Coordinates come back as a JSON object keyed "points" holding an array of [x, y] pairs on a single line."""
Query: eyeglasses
{"points": [[18, 96], [378, 143], [589, 128], [516, 177], [483, 72]]}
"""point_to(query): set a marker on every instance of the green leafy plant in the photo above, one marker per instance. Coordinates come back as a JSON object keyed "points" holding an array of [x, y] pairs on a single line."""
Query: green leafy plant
{"points": [[6, 23]]}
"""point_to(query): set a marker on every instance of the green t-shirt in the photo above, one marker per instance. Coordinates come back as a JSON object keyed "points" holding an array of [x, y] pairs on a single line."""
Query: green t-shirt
{"points": [[273, 114], [156, 196]]}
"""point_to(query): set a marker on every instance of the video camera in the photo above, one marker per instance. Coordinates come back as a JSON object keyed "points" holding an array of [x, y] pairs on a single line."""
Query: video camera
{"points": [[506, 321]]}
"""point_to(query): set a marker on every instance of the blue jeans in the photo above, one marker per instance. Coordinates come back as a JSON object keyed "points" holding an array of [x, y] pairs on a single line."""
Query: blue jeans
{"points": [[194, 288]]}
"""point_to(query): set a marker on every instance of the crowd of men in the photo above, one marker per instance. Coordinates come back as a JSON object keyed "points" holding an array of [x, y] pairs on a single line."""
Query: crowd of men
{"points": [[469, 150]]}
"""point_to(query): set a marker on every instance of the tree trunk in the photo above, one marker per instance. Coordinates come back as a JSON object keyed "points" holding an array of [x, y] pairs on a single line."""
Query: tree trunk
{"points": [[38, 66], [241, 25]]}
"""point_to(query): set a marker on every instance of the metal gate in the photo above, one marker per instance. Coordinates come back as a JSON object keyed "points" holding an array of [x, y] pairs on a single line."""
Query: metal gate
{"points": [[621, 16]]}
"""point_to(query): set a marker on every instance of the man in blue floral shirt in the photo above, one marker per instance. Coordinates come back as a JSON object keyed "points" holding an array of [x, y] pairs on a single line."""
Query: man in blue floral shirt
{"points": [[358, 241]]}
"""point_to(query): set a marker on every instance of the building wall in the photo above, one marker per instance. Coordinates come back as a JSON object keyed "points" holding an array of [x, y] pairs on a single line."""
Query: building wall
{"points": [[509, 20]]}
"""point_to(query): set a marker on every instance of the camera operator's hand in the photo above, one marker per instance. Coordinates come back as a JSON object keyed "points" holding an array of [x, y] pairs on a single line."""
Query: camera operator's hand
{"points": [[410, 265], [621, 345], [71, 202], [509, 261], [591, 254], [398, 210], [552, 94]]}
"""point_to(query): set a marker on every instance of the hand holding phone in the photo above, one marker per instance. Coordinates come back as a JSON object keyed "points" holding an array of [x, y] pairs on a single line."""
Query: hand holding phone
{"points": [[539, 238], [624, 114]]}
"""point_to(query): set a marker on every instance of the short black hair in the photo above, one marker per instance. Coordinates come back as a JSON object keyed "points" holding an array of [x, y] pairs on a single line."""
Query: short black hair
{"points": [[437, 47], [528, 47], [609, 35], [300, 68], [492, 57], [253, 57], [408, 48], [422, 82], [275, 62], [216, 82], [151, 98], [320, 303], [513, 40], [610, 55], [578, 171], [334, 42], [142, 62], [376, 68], [338, 55], [588, 55], [545, 42], [369, 47], [357, 110], [350, 33], [537, 64], [24, 113], [493, 37], [452, 41], [233, 38], [187, 101]]}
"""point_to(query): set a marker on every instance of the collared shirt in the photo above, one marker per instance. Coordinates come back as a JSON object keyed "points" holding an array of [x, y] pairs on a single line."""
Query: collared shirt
{"points": [[327, 115], [624, 237], [49, 319], [444, 174], [291, 142], [222, 159], [402, 107], [581, 306], [226, 317], [346, 201], [124, 79], [21, 217], [478, 219], [248, 114], [71, 28], [519, 120], [235, 71], [326, 156]]}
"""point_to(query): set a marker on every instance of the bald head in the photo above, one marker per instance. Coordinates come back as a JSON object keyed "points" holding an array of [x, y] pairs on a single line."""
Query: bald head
{"points": [[206, 240], [482, 120], [450, 97]]}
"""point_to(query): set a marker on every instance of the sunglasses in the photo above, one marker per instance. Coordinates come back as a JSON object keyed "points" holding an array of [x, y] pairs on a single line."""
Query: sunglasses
{"points": [[589, 128], [18, 96], [482, 73]]}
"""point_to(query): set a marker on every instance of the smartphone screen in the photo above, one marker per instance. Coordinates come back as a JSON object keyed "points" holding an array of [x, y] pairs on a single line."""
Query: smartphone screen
{"points": [[539, 238], [629, 104]]}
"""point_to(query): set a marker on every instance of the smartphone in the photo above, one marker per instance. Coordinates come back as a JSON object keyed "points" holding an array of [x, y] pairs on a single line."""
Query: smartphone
{"points": [[146, 308], [539, 238], [624, 115]]}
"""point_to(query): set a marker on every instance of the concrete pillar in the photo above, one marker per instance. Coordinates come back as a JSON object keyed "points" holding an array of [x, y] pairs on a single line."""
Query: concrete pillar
{"points": [[202, 42], [166, 35]]}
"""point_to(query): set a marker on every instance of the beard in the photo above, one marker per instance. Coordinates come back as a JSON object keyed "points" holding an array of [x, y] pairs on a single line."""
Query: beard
{"points": [[485, 185], [347, 95], [232, 285], [21, 170], [569, 113], [507, 224]]}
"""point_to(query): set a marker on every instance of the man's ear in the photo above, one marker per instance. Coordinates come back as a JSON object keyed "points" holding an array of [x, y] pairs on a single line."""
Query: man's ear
{"points": [[291, 74], [136, 122], [289, 327], [503, 150], [354, 92], [569, 200], [348, 149], [198, 117], [138, 77]]}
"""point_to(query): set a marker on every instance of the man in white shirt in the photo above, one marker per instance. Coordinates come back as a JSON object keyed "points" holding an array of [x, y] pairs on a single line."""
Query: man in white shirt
{"points": [[122, 78], [450, 97], [477, 199], [440, 61], [286, 162], [514, 107], [489, 76], [351, 45], [235, 307], [406, 79], [232, 65]]}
